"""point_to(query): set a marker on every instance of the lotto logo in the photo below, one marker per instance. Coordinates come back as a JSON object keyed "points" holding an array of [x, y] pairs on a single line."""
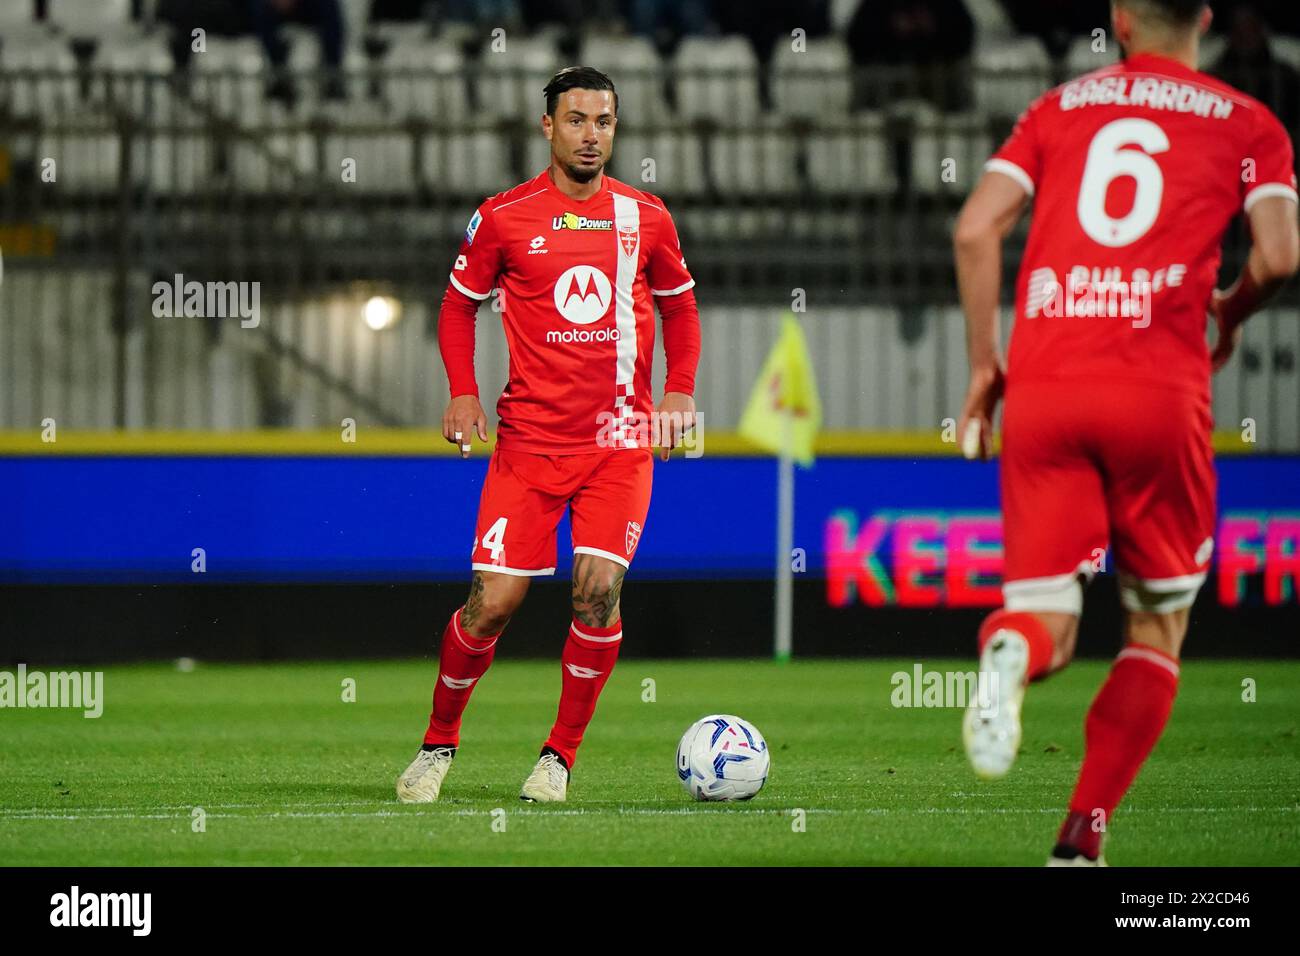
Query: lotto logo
{"points": [[582, 294]]}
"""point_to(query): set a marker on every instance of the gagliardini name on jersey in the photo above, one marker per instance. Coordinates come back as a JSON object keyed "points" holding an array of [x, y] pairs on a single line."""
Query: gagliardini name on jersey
{"points": [[1152, 92]]}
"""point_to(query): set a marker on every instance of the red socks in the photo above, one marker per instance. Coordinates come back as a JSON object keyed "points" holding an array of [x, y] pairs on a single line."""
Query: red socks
{"points": [[463, 660], [1034, 631], [1123, 725], [589, 656]]}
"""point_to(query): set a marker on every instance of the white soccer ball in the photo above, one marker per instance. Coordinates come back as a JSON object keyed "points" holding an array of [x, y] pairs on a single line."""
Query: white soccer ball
{"points": [[722, 757]]}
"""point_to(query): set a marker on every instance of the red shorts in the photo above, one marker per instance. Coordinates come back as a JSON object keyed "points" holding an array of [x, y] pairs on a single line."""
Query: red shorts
{"points": [[1086, 465], [524, 497]]}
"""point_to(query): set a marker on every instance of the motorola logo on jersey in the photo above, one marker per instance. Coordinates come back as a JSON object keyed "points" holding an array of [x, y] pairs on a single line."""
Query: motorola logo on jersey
{"points": [[582, 294]]}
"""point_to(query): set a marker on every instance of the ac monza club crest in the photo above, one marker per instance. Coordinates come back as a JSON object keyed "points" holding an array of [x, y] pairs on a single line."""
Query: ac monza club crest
{"points": [[627, 237], [633, 536]]}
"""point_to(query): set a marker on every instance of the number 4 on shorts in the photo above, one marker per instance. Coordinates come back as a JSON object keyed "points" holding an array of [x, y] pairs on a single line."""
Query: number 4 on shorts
{"points": [[494, 540]]}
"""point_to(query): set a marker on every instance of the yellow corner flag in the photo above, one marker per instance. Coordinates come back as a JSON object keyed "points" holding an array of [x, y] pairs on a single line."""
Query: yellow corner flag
{"points": [[784, 404]]}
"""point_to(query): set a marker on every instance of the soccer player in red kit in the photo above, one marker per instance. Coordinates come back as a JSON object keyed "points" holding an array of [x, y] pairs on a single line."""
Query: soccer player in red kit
{"points": [[1135, 172], [579, 261]]}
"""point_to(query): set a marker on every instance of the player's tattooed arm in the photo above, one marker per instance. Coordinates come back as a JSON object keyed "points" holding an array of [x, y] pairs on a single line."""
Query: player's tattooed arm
{"points": [[597, 586]]}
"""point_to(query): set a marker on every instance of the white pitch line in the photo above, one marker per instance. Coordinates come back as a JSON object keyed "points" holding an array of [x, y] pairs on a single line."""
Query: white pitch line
{"points": [[688, 812]]}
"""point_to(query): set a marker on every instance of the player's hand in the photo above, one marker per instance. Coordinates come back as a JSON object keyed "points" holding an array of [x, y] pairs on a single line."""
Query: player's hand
{"points": [[975, 427], [464, 417], [674, 417], [1228, 341]]}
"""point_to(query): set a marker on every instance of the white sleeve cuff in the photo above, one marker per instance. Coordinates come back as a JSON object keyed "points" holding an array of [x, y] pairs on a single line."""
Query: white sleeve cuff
{"points": [[469, 292], [680, 288], [1007, 168], [1266, 190]]}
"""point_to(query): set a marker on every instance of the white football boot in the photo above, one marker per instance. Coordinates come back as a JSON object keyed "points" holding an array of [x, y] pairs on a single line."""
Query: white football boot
{"points": [[548, 783], [422, 780], [992, 733]]}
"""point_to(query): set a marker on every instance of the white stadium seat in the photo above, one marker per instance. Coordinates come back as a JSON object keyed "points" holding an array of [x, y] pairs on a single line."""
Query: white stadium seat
{"points": [[87, 153], [638, 75], [1212, 47], [1286, 50], [474, 163], [817, 82], [89, 18], [948, 152], [1010, 74], [756, 162], [1081, 59], [230, 75], [47, 87], [852, 157], [511, 81], [411, 91], [677, 162], [716, 80]]}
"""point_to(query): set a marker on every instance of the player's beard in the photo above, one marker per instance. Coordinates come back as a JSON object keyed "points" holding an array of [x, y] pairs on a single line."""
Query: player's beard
{"points": [[583, 174]]}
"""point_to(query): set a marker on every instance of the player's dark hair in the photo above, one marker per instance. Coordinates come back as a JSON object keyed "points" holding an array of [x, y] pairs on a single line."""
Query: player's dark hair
{"points": [[577, 78], [1181, 12]]}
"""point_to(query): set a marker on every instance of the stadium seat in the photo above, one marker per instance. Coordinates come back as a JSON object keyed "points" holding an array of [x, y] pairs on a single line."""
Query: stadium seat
{"points": [[90, 18], [852, 157], [1212, 47], [231, 76], [424, 80], [510, 83], [1010, 74], [716, 80], [384, 158], [133, 74], [638, 74], [757, 162], [949, 152], [42, 71], [475, 163], [816, 83], [1081, 59], [87, 152], [281, 155], [677, 166], [1286, 49]]}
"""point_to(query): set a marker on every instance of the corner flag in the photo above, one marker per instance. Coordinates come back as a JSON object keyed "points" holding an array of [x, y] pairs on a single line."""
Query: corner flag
{"points": [[784, 411]]}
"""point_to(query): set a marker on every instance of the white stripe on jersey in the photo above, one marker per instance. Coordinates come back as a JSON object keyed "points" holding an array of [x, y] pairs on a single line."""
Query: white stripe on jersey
{"points": [[627, 217]]}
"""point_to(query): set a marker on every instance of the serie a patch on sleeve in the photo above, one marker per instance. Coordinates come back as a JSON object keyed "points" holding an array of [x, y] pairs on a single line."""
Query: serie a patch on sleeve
{"points": [[472, 228]]}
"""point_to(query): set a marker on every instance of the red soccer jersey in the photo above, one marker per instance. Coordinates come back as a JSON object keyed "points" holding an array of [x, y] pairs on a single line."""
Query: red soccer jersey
{"points": [[577, 281], [1136, 170]]}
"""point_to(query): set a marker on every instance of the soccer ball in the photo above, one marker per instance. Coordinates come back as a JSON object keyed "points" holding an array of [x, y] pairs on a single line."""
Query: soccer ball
{"points": [[722, 757]]}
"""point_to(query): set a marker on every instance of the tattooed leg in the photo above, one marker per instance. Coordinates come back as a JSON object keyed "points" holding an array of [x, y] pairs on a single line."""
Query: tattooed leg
{"points": [[597, 585], [493, 598]]}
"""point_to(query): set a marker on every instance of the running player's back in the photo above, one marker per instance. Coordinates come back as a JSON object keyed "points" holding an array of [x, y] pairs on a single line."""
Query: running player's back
{"points": [[1136, 170]]}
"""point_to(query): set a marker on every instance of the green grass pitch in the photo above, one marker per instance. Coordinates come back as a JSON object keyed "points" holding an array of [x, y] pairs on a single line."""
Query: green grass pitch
{"points": [[288, 773]]}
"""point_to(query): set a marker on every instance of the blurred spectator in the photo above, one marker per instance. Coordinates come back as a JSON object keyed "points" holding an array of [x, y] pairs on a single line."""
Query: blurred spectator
{"points": [[1282, 16], [766, 22], [269, 16], [929, 40], [214, 17], [265, 19], [1058, 24], [665, 22], [1248, 64]]}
